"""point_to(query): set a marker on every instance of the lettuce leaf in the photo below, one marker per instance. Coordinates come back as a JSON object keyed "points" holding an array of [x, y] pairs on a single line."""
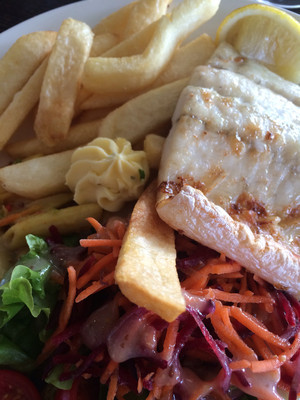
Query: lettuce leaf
{"points": [[27, 297]]}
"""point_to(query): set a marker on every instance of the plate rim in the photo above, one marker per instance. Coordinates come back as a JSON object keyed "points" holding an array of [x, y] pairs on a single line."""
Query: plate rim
{"points": [[92, 11]]}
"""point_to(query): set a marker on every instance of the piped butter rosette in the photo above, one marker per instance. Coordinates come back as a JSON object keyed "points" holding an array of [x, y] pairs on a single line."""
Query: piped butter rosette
{"points": [[107, 171]]}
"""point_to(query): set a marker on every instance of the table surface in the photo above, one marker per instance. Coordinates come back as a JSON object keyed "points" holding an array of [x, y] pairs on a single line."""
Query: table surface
{"points": [[13, 12]]}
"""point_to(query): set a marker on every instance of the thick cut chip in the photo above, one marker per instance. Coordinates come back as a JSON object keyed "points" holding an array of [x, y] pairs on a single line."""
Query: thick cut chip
{"points": [[62, 81], [229, 175], [126, 22], [79, 134], [143, 114], [132, 18], [67, 220], [146, 269], [22, 103], [37, 177], [119, 74], [20, 62], [182, 64]]}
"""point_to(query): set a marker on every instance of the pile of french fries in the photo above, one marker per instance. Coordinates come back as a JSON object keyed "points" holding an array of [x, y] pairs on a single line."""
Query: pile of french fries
{"points": [[121, 78]]}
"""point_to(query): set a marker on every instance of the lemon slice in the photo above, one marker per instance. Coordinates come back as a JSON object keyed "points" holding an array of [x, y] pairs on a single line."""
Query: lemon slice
{"points": [[267, 34]]}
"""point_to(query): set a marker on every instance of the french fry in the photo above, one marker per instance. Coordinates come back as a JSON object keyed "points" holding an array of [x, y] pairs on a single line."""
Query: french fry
{"points": [[37, 177], [153, 145], [143, 114], [79, 135], [20, 62], [102, 43], [146, 268], [182, 64], [21, 105], [115, 75], [62, 81], [134, 44], [92, 114], [55, 201], [186, 58], [67, 220], [123, 24], [132, 18]]}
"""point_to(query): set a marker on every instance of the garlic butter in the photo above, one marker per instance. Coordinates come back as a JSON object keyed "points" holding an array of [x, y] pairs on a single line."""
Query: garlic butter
{"points": [[107, 171]]}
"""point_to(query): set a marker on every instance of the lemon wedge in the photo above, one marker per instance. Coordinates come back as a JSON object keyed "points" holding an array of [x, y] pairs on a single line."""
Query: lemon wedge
{"points": [[266, 34]]}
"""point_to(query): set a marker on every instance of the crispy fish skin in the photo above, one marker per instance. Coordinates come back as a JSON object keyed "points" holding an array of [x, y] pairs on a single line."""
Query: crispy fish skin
{"points": [[146, 269], [229, 175], [214, 227]]}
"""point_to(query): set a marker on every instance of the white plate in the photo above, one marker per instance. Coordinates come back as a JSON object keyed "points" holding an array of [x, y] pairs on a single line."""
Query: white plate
{"points": [[91, 11]]}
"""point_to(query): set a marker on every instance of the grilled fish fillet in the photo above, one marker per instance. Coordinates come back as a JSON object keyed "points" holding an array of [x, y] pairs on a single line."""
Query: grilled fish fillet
{"points": [[226, 57], [229, 174]]}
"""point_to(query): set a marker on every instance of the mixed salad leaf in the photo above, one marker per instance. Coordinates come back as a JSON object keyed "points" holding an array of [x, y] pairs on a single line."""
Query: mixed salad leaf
{"points": [[27, 296]]}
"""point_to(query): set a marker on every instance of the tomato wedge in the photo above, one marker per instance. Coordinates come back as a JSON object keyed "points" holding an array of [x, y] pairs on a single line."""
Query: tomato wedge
{"points": [[16, 386]]}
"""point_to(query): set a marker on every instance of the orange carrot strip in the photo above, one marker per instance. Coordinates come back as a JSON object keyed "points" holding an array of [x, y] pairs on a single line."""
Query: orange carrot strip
{"points": [[269, 308], [240, 364], [113, 385], [67, 307], [170, 340], [9, 219], [95, 269], [96, 286], [110, 368], [261, 347], [200, 278], [239, 298], [121, 229], [100, 242], [122, 390], [243, 287], [256, 327], [64, 315], [95, 224], [232, 275], [226, 332], [139, 387], [278, 361]]}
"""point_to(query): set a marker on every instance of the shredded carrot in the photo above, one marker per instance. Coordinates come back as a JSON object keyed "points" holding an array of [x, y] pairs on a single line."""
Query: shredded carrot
{"points": [[94, 270], [11, 218], [66, 310], [224, 329], [110, 368], [113, 385], [232, 297], [200, 278], [170, 340], [261, 347], [122, 391], [96, 286], [139, 387], [64, 315], [121, 229], [240, 364], [256, 327], [100, 242], [150, 396], [95, 224], [278, 361]]}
